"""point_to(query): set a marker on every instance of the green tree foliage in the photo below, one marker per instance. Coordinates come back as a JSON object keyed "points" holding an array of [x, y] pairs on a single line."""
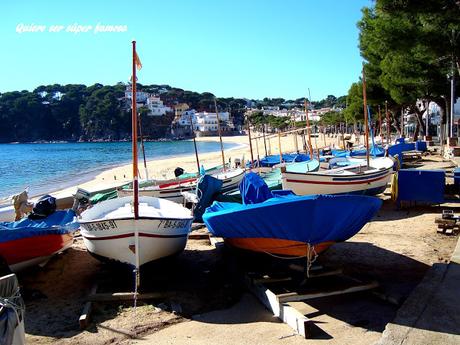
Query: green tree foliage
{"points": [[409, 47]]}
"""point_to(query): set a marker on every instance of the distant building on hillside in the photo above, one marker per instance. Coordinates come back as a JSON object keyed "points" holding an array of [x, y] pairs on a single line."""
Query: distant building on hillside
{"points": [[156, 106], [145, 99], [206, 123]]}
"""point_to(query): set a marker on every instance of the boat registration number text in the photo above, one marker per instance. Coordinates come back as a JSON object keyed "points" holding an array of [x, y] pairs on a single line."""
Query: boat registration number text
{"points": [[167, 224], [100, 226]]}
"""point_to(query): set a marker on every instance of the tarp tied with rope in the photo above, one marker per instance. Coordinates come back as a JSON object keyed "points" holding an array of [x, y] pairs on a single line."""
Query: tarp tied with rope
{"points": [[309, 219]]}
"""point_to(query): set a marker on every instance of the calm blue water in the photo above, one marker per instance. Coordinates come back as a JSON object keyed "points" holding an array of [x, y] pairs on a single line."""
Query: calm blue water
{"points": [[53, 166]]}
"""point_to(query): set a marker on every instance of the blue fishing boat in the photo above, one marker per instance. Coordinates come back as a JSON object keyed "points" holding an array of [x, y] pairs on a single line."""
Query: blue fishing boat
{"points": [[287, 224]]}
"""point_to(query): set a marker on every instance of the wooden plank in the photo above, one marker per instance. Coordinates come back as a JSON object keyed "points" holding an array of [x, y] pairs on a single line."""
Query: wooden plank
{"points": [[267, 280], [286, 313], [294, 296], [85, 317], [199, 236], [125, 296], [216, 241]]}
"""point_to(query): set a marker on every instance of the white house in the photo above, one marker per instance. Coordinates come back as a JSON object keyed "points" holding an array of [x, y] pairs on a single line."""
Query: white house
{"points": [[141, 96], [156, 106], [207, 122], [186, 116]]}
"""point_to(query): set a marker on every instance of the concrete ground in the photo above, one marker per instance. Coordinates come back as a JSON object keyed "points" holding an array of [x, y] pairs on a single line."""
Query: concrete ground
{"points": [[431, 314]]}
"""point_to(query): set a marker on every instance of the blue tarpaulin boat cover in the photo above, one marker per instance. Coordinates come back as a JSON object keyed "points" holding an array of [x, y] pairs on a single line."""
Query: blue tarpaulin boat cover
{"points": [[60, 222], [253, 189], [206, 190], [269, 161], [309, 219], [400, 148], [374, 150]]}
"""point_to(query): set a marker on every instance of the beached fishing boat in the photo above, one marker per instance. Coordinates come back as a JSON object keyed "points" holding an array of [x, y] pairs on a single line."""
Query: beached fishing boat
{"points": [[28, 242], [135, 230], [173, 191], [359, 178], [288, 225], [110, 229], [369, 178]]}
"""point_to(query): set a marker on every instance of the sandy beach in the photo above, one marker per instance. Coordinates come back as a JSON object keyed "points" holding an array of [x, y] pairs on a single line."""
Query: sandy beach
{"points": [[201, 296], [204, 300]]}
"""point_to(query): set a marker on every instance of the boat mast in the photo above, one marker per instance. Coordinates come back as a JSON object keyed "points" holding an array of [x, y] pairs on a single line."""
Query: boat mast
{"points": [[380, 124], [134, 139], [388, 122], [142, 146], [194, 145], [308, 128], [136, 62], [250, 142], [220, 134], [366, 126]]}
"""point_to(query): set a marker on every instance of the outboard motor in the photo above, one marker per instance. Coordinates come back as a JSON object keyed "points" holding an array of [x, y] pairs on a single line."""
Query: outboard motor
{"points": [[178, 171], [43, 207], [81, 200]]}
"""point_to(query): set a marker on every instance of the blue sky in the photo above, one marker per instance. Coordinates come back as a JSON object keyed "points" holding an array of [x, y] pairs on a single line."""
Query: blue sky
{"points": [[239, 48]]}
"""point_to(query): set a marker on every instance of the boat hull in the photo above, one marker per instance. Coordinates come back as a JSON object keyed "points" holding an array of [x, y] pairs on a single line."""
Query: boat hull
{"points": [[26, 252], [276, 246], [115, 239]]}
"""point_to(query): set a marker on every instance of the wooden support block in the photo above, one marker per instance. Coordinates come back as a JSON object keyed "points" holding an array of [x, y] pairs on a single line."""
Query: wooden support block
{"points": [[286, 313], [125, 296], [85, 317]]}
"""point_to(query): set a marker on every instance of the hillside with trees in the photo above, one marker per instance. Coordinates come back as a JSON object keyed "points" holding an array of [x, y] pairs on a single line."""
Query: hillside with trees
{"points": [[100, 112]]}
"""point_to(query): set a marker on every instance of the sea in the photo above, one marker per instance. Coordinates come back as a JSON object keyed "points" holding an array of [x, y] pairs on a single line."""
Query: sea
{"points": [[46, 167]]}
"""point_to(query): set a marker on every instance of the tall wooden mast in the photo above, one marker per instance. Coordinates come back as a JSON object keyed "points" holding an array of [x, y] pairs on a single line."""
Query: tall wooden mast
{"points": [[220, 135], [366, 124], [134, 137], [308, 128]]}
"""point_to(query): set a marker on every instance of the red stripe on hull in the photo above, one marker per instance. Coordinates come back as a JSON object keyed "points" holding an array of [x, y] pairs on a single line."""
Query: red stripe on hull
{"points": [[338, 183], [141, 234], [29, 248]]}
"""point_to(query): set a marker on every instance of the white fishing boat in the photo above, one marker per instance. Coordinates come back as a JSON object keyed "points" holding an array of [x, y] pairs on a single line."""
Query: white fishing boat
{"points": [[173, 191], [135, 230], [367, 176], [358, 178], [109, 229]]}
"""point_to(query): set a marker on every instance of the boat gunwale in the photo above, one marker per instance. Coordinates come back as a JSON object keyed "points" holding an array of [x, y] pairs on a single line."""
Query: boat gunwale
{"points": [[132, 218]]}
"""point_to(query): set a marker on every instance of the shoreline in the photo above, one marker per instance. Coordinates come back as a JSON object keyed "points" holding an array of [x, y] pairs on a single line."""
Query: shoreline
{"points": [[98, 175], [163, 168]]}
